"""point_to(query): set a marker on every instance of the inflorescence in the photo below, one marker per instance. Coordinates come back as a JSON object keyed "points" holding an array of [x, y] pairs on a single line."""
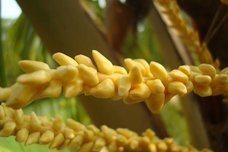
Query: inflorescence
{"points": [[151, 83]]}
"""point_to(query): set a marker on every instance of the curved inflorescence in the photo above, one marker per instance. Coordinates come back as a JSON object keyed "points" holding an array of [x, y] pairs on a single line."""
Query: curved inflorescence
{"points": [[151, 83], [190, 37], [57, 134]]}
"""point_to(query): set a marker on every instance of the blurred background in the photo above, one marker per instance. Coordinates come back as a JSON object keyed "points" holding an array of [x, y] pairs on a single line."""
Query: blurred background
{"points": [[118, 29]]}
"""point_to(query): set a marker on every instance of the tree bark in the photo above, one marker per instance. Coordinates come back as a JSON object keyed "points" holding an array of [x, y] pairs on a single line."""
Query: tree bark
{"points": [[62, 26]]}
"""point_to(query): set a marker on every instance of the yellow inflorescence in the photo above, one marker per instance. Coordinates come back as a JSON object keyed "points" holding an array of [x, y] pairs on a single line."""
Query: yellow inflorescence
{"points": [[190, 37], [57, 134], [151, 83]]}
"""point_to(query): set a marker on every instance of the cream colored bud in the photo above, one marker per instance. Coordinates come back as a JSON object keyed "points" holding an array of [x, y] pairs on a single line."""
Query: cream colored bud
{"points": [[21, 96], [33, 138], [104, 149], [177, 75], [99, 144], [152, 147], [189, 86], [119, 69], [224, 71], [124, 85], [203, 91], [158, 71], [2, 113], [8, 129], [161, 146], [18, 116], [58, 141], [63, 59], [47, 137], [66, 73], [86, 147], [113, 147], [139, 93], [93, 128], [88, 75], [155, 102], [185, 69], [76, 126], [22, 135], [220, 79], [77, 141], [133, 143], [53, 89], [135, 76], [207, 69], [35, 122], [132, 63], [126, 132], [150, 134], [34, 78], [74, 88], [177, 87], [202, 79], [82, 59], [156, 86], [58, 124], [103, 64], [31, 66], [104, 89], [5, 93], [109, 133], [146, 67], [68, 133]]}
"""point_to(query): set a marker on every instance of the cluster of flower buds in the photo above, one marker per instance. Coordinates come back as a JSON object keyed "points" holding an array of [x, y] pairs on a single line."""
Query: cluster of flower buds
{"points": [[151, 83], [57, 134], [172, 16]]}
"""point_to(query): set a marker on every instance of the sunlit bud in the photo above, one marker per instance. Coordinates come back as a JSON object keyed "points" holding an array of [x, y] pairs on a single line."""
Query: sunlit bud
{"points": [[58, 124], [140, 92], [207, 69], [203, 91], [76, 126], [158, 71], [47, 137], [22, 135], [155, 102], [156, 86], [58, 141], [124, 85], [63, 59], [74, 88], [185, 69], [103, 64], [21, 96], [82, 59], [202, 79], [35, 122], [104, 89], [66, 73], [119, 69], [31, 66], [177, 75], [8, 129], [88, 75], [33, 138], [135, 76], [177, 87], [86, 147], [5, 93], [34, 78], [68, 133]]}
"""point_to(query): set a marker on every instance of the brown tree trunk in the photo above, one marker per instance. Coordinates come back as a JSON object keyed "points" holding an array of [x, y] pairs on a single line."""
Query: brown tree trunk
{"points": [[62, 26]]}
